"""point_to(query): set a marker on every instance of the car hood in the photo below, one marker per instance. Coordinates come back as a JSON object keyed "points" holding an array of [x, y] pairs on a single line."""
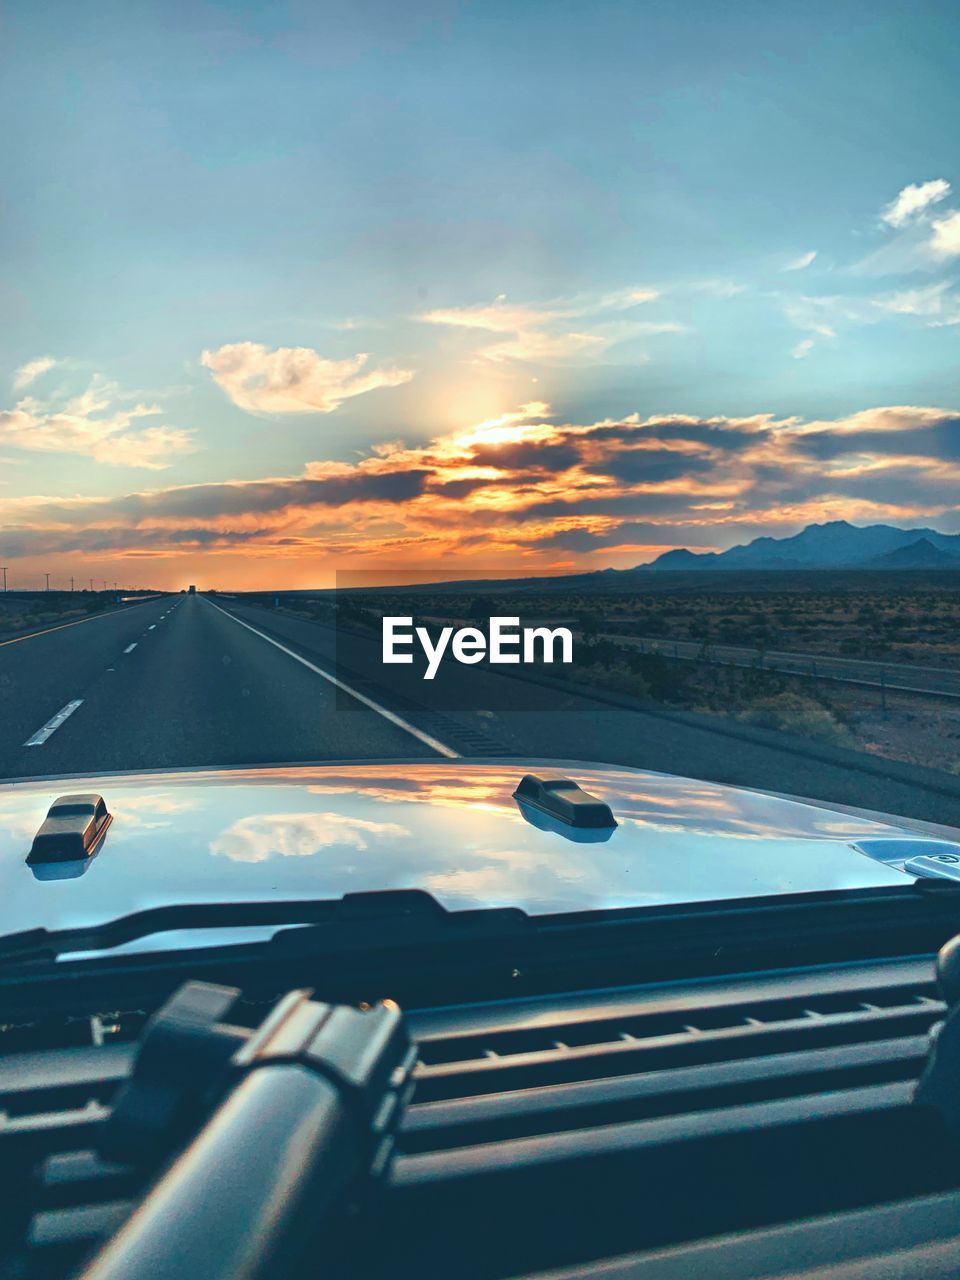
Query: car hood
{"points": [[451, 828]]}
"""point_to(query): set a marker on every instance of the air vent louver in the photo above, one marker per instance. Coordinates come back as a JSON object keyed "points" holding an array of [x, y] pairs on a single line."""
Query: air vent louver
{"points": [[583, 1126]]}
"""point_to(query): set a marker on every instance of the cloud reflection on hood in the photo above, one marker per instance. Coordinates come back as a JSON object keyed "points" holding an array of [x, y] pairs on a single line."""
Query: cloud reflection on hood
{"points": [[299, 835]]}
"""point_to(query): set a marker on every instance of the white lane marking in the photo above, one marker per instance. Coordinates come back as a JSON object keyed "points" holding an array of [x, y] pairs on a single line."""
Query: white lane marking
{"points": [[130, 647], [40, 737], [109, 613], [434, 743], [151, 628]]}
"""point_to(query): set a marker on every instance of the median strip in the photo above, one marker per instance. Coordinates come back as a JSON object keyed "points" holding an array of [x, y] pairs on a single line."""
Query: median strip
{"points": [[427, 739], [52, 725]]}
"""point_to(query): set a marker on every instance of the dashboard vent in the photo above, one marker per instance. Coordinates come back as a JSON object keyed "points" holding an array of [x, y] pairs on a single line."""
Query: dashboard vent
{"points": [[660, 1034], [589, 1125], [57, 1081], [63, 1033]]}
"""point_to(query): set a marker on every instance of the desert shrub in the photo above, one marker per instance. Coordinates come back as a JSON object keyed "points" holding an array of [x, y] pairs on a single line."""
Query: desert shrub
{"points": [[852, 646], [351, 613], [620, 679], [598, 653], [664, 680], [589, 625], [793, 713]]}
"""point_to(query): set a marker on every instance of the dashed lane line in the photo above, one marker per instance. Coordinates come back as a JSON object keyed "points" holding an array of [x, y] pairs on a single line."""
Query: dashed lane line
{"points": [[130, 647], [52, 725]]}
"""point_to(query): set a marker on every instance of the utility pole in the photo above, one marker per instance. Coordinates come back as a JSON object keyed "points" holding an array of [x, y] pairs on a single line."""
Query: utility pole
{"points": [[4, 568], [47, 587], [91, 584], [71, 582], [114, 586]]}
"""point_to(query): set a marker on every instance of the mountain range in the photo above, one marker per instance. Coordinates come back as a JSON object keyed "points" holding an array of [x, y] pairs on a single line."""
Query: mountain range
{"points": [[834, 545]]}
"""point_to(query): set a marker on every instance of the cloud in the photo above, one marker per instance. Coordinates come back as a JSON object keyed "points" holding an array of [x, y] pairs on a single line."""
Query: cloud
{"points": [[32, 370], [819, 314], [95, 423], [303, 835], [566, 329], [294, 379], [920, 240], [913, 200], [803, 348], [714, 288], [945, 240], [525, 491], [930, 300], [536, 347], [888, 418], [826, 315], [801, 263]]}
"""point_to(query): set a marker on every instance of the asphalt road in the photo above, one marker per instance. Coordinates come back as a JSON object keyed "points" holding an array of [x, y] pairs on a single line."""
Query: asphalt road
{"points": [[184, 681], [195, 689]]}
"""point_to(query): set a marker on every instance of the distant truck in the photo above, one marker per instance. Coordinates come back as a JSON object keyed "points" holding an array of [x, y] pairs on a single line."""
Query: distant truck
{"points": [[191, 590]]}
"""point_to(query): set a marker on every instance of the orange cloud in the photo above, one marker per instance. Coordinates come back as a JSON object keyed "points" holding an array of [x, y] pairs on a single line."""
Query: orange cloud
{"points": [[520, 489]]}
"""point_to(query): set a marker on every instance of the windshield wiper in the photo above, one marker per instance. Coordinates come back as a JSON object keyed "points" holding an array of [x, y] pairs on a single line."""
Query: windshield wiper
{"points": [[389, 933], [388, 917]]}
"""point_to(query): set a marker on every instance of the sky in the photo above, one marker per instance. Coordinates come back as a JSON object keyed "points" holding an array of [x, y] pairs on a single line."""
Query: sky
{"points": [[290, 288]]}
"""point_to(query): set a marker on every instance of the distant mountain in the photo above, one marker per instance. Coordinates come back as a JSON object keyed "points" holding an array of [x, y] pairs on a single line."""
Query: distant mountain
{"points": [[918, 555], [834, 545], [681, 558]]}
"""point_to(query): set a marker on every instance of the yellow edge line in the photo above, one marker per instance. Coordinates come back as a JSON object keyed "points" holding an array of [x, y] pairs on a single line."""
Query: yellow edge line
{"points": [[78, 622]]}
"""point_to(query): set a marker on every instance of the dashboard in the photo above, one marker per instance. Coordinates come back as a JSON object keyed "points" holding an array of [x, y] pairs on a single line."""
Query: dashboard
{"points": [[752, 1124]]}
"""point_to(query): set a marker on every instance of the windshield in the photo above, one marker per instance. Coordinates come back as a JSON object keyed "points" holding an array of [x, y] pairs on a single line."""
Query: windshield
{"points": [[420, 384]]}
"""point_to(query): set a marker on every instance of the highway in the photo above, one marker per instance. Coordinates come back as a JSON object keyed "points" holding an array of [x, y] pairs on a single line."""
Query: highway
{"points": [[173, 682], [186, 681]]}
